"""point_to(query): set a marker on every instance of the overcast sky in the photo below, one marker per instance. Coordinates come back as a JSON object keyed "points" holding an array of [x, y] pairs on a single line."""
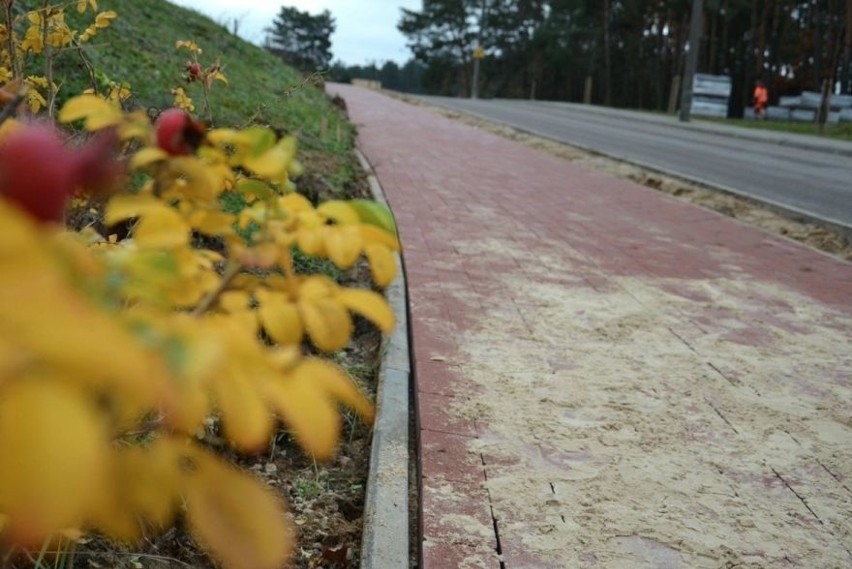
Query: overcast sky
{"points": [[366, 29]]}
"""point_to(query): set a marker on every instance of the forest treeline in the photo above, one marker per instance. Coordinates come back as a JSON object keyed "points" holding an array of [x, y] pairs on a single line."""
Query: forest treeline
{"points": [[623, 53]]}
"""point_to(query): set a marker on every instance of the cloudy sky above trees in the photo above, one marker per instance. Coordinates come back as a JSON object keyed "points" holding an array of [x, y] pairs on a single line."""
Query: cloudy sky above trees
{"points": [[366, 29]]}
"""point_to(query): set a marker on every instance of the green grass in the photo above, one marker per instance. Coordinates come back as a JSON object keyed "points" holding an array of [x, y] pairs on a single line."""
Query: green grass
{"points": [[307, 265], [139, 49], [838, 131], [307, 489]]}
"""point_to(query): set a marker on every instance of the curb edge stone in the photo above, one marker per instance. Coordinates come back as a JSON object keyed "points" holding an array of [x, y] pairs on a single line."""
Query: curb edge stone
{"points": [[385, 538]]}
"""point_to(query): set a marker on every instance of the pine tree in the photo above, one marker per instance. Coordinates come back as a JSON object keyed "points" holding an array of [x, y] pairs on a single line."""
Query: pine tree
{"points": [[301, 39]]}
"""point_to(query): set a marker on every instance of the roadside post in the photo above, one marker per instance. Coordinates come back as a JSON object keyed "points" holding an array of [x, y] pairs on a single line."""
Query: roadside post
{"points": [[478, 55], [691, 60]]}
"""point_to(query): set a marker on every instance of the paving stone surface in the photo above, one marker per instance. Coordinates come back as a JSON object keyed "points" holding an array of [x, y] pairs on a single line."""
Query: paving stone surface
{"points": [[607, 376]]}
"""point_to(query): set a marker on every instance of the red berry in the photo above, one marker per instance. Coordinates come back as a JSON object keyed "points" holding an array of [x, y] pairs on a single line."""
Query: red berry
{"points": [[193, 70], [97, 168], [178, 133], [37, 171]]}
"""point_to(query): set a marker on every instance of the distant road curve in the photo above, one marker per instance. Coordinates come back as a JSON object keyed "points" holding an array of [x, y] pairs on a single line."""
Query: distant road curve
{"points": [[804, 175]]}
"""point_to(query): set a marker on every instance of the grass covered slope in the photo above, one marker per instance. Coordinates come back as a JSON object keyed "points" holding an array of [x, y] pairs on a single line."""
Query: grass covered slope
{"points": [[139, 49]]}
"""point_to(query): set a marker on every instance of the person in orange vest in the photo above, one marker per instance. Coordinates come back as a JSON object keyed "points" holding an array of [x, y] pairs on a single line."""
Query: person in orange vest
{"points": [[761, 97]]}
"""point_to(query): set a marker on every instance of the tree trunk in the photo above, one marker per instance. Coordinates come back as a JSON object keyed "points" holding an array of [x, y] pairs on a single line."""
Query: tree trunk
{"points": [[835, 44], [726, 32], [711, 42], [673, 93], [846, 69], [818, 33], [774, 44], [660, 80], [587, 90], [824, 106], [607, 55], [761, 40], [749, 75]]}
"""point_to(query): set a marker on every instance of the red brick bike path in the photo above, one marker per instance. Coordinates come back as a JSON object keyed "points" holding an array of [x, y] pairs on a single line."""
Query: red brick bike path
{"points": [[646, 283]]}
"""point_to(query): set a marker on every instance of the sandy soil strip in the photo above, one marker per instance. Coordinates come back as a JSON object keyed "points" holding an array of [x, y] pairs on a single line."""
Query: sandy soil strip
{"points": [[621, 432]]}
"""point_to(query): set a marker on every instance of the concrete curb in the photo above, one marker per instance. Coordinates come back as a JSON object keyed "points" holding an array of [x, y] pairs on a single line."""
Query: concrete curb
{"points": [[385, 538]]}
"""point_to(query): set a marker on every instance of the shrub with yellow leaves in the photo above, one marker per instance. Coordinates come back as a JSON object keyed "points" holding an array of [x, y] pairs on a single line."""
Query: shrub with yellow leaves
{"points": [[44, 32], [117, 354]]}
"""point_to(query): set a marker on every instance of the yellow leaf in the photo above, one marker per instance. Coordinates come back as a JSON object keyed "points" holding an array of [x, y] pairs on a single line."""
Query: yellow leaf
{"points": [[246, 419], [37, 81], [103, 19], [284, 358], [54, 450], [210, 257], [35, 100], [57, 326], [214, 223], [12, 360], [162, 228], [272, 164], [194, 406], [202, 181], [126, 206], [147, 155], [99, 113], [233, 301], [337, 384], [280, 318], [307, 411], [339, 211], [8, 127], [194, 346], [190, 294], [82, 4], [222, 136], [382, 264], [135, 125], [327, 322], [234, 517], [295, 203], [143, 491], [182, 100], [311, 242], [190, 45], [317, 287], [343, 245], [374, 235], [264, 255], [370, 305]]}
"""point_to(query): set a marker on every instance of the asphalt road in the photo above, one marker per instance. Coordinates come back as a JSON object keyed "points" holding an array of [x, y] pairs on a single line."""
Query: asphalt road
{"points": [[774, 168]]}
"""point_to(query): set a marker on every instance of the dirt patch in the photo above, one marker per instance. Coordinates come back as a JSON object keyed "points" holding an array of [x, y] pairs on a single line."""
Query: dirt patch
{"points": [[748, 211], [629, 425]]}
